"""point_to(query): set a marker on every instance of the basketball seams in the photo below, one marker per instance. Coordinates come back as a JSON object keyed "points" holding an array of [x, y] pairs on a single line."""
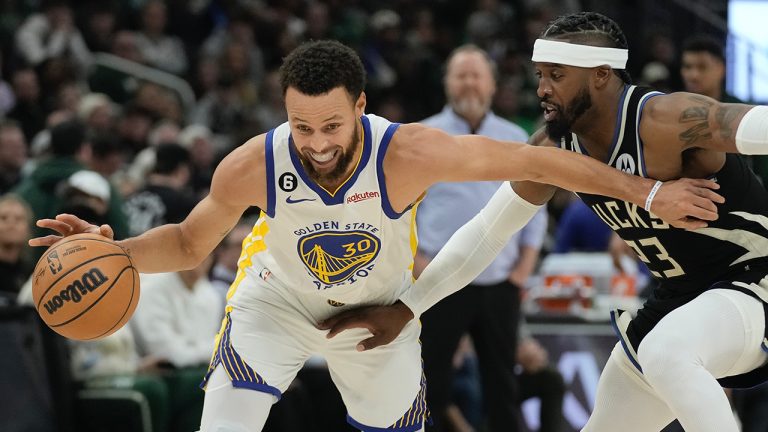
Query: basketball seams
{"points": [[89, 255], [84, 237], [42, 296], [130, 302], [103, 293]]}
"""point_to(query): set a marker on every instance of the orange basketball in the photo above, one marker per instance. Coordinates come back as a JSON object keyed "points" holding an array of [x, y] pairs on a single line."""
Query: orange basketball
{"points": [[85, 287]]}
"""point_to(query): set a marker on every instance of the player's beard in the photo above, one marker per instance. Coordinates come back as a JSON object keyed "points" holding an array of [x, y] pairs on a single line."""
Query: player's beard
{"points": [[564, 120], [345, 160]]}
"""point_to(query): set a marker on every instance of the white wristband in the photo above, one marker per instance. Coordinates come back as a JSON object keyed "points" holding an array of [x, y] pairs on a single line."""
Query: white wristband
{"points": [[752, 133], [652, 194]]}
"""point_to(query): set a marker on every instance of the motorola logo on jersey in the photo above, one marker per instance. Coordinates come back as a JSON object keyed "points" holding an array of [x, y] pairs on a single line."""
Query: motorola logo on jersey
{"points": [[625, 163], [335, 256]]}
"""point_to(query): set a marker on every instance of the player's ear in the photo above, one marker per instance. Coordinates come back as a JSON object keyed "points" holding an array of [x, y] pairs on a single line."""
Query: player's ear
{"points": [[601, 75], [360, 105]]}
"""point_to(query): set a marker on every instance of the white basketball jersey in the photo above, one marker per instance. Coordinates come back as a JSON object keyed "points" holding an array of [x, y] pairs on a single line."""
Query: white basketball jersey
{"points": [[349, 246]]}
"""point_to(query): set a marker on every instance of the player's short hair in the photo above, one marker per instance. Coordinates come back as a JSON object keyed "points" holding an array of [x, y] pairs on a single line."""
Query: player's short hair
{"points": [[317, 67], [704, 43], [589, 28]]}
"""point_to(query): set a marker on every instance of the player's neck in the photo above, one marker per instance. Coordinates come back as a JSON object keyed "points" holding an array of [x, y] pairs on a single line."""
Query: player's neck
{"points": [[605, 108]]}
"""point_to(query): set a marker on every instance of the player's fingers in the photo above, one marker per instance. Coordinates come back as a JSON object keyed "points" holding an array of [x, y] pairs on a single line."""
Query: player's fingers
{"points": [[346, 324], [78, 225], [704, 183], [709, 194], [107, 231], [696, 210], [331, 321], [60, 227], [689, 224], [44, 241], [370, 343]]}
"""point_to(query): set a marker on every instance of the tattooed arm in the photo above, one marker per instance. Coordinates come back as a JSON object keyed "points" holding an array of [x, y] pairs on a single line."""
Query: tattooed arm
{"points": [[693, 121]]}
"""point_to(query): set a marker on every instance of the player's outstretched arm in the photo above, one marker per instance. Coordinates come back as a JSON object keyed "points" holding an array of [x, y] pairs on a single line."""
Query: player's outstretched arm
{"points": [[239, 181], [435, 156]]}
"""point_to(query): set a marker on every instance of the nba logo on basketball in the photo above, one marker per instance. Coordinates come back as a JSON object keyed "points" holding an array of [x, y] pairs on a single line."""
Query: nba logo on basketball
{"points": [[53, 262]]}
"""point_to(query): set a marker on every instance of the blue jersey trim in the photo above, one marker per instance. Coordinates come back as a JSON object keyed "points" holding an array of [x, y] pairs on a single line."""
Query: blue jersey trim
{"points": [[410, 428], [624, 342], [640, 145], [269, 157], [264, 388], [617, 127], [338, 196], [385, 204]]}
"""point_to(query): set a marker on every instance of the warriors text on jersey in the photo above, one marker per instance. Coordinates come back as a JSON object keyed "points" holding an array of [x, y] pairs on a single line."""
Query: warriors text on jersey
{"points": [[349, 246], [731, 249]]}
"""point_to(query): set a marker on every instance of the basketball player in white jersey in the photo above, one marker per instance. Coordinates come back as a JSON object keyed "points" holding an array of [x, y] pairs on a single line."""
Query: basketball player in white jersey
{"points": [[337, 189], [705, 325]]}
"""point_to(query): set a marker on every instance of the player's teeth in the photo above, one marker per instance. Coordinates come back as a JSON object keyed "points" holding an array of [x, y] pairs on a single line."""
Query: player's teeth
{"points": [[322, 157]]}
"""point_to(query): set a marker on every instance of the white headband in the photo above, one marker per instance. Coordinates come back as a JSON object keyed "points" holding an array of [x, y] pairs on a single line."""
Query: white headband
{"points": [[549, 51]]}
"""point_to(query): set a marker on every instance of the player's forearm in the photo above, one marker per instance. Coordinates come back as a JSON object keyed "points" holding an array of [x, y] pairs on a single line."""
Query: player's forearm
{"points": [[470, 250], [162, 249], [580, 173]]}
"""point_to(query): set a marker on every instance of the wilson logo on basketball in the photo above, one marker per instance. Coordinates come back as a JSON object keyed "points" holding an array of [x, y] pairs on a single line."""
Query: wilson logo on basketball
{"points": [[362, 196], [75, 291]]}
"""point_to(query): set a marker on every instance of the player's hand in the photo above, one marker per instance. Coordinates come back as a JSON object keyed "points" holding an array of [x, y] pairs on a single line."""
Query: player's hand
{"points": [[67, 225], [687, 203], [384, 322]]}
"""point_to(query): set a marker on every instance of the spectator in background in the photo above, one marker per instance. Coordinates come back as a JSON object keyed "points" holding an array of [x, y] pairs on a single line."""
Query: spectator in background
{"points": [[7, 98], [164, 199], [28, 110], [52, 34], [580, 230], [539, 379], [703, 68], [164, 132], [13, 155], [118, 85], [197, 140], [70, 152], [97, 112], [176, 320], [271, 110], [86, 194], [133, 128], [100, 25], [239, 30], [227, 255], [107, 157], [15, 219], [489, 308], [157, 48], [178, 316]]}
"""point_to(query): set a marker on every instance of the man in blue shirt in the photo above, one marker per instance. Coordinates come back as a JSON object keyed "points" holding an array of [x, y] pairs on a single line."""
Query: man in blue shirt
{"points": [[489, 308]]}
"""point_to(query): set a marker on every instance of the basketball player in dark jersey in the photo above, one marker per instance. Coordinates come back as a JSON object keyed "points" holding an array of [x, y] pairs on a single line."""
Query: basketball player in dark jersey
{"points": [[707, 319]]}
